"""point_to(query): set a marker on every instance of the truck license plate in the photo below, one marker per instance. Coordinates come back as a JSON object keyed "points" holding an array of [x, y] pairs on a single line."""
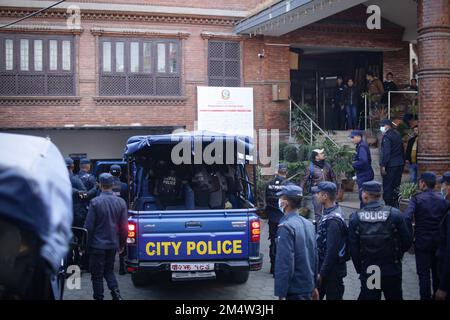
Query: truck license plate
{"points": [[191, 266]]}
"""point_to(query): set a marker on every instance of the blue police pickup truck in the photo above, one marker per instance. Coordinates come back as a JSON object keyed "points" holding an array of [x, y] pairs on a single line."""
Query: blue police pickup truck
{"points": [[192, 214]]}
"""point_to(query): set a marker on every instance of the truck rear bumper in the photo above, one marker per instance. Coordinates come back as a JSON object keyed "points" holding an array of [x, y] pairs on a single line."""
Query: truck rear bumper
{"points": [[252, 264]]}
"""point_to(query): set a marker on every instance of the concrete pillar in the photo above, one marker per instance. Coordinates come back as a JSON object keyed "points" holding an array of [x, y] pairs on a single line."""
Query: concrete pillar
{"points": [[434, 85]]}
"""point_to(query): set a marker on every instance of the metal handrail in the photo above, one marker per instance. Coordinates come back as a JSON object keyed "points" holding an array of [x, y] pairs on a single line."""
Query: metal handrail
{"points": [[389, 99], [312, 124], [389, 104]]}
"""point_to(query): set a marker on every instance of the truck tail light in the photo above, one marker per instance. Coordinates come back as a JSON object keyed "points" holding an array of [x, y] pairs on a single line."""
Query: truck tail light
{"points": [[255, 231], [131, 238]]}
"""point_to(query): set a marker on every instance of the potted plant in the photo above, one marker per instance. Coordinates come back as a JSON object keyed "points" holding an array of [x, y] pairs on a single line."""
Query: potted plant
{"points": [[405, 192]]}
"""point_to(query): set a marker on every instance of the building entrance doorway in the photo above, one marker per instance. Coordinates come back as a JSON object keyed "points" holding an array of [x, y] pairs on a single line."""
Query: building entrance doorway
{"points": [[313, 85]]}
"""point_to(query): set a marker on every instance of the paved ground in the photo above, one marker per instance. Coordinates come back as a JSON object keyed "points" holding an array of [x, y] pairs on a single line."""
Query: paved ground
{"points": [[259, 285]]}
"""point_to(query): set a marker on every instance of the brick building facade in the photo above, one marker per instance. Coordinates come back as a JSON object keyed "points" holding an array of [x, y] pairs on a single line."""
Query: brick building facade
{"points": [[188, 34]]}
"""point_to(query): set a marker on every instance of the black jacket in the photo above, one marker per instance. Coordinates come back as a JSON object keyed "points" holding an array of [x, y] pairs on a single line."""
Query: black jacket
{"points": [[392, 153], [388, 267], [351, 96], [106, 222], [79, 204], [427, 209], [444, 253], [339, 95]]}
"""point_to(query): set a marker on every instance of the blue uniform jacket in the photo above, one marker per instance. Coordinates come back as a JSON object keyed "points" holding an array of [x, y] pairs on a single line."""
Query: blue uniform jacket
{"points": [[362, 163], [387, 268], [336, 239], [428, 209], [87, 179], [296, 259], [392, 153], [107, 222], [444, 254]]}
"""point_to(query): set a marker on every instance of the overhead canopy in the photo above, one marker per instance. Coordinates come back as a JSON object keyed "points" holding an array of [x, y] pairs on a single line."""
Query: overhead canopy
{"points": [[289, 15], [282, 17], [141, 143], [35, 192]]}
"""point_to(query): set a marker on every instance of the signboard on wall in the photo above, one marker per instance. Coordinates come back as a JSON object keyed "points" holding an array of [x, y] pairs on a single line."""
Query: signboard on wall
{"points": [[225, 110]]}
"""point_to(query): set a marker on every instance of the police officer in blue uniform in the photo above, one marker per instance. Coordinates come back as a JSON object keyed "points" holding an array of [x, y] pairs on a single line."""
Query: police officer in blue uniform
{"points": [[362, 161], [106, 224], [274, 214], [391, 162], [443, 253], [120, 189], [296, 259], [427, 209], [86, 177], [332, 235], [378, 238], [79, 194]]}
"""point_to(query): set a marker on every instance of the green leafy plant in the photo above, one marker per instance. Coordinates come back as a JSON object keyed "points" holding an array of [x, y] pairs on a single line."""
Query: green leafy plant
{"points": [[407, 190], [340, 159], [290, 153]]}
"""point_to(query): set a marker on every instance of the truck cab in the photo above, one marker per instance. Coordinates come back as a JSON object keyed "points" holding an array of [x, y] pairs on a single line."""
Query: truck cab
{"points": [[191, 217]]}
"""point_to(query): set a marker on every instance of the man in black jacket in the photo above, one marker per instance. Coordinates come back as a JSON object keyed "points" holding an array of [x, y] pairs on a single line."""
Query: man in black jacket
{"points": [[389, 85], [427, 209], [273, 211], [351, 98], [332, 236], [106, 224], [443, 253], [338, 105], [391, 162]]}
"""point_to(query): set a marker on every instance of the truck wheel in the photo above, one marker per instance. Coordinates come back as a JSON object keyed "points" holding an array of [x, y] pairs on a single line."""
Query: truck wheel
{"points": [[239, 276], [140, 279]]}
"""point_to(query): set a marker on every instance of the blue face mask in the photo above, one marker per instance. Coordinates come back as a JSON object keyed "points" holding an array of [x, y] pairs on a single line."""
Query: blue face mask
{"points": [[382, 129]]}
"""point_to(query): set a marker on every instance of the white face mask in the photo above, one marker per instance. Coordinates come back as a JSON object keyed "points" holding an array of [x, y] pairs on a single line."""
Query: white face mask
{"points": [[281, 205], [444, 192], [382, 129]]}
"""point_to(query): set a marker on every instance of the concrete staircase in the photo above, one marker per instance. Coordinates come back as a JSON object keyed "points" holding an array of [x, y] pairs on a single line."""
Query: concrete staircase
{"points": [[351, 199], [341, 138]]}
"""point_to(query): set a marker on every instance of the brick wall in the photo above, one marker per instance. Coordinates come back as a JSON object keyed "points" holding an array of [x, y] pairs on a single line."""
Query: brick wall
{"points": [[258, 73]]}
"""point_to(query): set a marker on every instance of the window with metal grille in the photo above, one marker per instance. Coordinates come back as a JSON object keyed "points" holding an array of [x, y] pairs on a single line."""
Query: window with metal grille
{"points": [[139, 67], [224, 64], [36, 65]]}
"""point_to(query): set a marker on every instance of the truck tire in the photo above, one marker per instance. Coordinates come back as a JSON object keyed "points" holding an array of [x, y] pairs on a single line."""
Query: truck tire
{"points": [[140, 279], [239, 276]]}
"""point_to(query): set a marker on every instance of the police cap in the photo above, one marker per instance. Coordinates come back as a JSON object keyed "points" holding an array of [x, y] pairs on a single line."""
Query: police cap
{"points": [[428, 176], [68, 161], [445, 178], [282, 167], [355, 133], [385, 122], [85, 161], [115, 169], [106, 179], [290, 191], [325, 186], [372, 187]]}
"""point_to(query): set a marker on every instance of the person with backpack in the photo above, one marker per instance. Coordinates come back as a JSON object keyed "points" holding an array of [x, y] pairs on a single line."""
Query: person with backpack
{"points": [[318, 170], [332, 235], [378, 238]]}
